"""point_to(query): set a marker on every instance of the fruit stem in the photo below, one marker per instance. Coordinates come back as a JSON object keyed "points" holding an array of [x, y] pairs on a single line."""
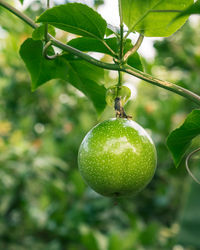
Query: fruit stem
{"points": [[120, 112], [121, 44], [119, 81]]}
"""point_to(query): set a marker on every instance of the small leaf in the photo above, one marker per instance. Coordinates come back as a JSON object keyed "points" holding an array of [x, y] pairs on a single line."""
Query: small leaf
{"points": [[123, 92], [180, 139], [21, 1], [112, 30], [154, 17], [38, 33], [91, 44], [75, 18], [135, 61], [193, 9], [82, 75]]}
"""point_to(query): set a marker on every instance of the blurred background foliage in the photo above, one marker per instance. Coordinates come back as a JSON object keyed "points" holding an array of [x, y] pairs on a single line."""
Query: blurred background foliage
{"points": [[44, 203]]}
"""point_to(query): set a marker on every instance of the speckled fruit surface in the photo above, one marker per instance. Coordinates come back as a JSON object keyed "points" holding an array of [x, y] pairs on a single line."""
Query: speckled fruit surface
{"points": [[117, 158]]}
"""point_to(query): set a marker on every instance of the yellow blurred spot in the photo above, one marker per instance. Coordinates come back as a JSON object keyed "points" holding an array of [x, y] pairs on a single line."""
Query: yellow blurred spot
{"points": [[5, 127], [150, 107], [16, 137]]}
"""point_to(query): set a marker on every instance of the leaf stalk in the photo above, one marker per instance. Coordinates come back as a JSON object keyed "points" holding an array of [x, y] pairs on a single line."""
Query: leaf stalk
{"points": [[135, 47]]}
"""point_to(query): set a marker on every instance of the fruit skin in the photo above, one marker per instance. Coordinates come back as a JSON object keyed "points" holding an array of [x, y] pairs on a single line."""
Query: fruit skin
{"points": [[117, 158]]}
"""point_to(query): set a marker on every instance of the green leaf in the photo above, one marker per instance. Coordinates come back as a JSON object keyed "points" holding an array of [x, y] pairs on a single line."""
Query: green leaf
{"points": [[154, 17], [86, 77], [180, 139], [193, 9], [112, 30], [41, 69], [75, 18], [21, 1], [38, 33], [82, 75], [91, 44], [135, 61]]}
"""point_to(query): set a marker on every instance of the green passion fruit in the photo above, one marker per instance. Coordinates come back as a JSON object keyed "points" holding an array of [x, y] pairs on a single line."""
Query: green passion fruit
{"points": [[117, 158]]}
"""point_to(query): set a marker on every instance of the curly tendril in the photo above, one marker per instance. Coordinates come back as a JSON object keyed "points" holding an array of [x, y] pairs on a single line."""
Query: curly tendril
{"points": [[47, 45], [47, 41], [187, 165]]}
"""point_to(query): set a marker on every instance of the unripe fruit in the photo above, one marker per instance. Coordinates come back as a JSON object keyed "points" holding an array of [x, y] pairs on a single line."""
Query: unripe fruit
{"points": [[117, 158]]}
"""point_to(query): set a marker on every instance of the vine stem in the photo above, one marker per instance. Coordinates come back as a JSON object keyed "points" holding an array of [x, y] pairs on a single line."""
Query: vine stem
{"points": [[19, 14], [121, 45], [46, 25], [124, 68]]}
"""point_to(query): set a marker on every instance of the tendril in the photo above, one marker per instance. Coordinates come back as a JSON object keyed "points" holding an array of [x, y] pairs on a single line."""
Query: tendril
{"points": [[187, 165], [47, 45], [47, 42]]}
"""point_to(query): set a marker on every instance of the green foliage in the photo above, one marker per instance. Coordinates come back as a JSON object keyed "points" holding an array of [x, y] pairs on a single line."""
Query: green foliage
{"points": [[41, 69], [135, 61], [191, 10], [84, 76], [180, 139], [153, 18], [91, 44], [75, 18], [94, 45], [38, 33], [112, 30]]}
